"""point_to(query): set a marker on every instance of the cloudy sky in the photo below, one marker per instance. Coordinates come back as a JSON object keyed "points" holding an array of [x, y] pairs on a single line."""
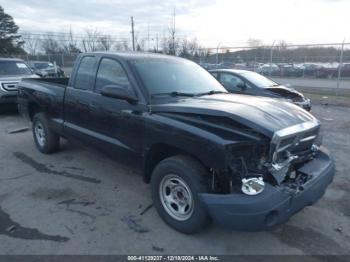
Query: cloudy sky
{"points": [[227, 22]]}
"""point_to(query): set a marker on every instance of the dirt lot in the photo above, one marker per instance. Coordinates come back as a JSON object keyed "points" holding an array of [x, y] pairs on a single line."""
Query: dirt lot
{"points": [[78, 201]]}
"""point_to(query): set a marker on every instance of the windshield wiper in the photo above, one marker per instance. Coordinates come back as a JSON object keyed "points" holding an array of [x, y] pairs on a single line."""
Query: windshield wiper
{"points": [[212, 92], [174, 93]]}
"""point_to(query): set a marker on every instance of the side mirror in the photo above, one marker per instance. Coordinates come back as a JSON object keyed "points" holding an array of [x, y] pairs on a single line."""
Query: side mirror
{"points": [[118, 92]]}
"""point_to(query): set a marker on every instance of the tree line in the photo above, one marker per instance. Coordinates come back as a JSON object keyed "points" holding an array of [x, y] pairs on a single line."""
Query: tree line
{"points": [[13, 43]]}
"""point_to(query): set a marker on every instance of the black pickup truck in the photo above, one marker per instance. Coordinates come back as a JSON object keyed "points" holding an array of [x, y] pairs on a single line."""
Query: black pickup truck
{"points": [[247, 163]]}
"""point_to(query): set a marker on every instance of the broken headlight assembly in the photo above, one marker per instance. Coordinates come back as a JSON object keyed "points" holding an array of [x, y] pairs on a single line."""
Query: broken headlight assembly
{"points": [[252, 186], [247, 168]]}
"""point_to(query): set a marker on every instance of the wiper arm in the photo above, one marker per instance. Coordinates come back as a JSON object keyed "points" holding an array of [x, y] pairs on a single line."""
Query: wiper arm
{"points": [[212, 92], [174, 93]]}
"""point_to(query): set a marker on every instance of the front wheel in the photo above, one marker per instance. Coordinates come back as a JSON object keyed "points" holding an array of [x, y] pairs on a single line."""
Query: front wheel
{"points": [[175, 185], [45, 139]]}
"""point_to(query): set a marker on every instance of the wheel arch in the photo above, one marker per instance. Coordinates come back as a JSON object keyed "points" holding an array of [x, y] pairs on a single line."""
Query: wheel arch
{"points": [[159, 152], [33, 109]]}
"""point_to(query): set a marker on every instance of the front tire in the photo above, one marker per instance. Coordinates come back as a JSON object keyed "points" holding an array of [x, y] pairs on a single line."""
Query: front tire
{"points": [[45, 139], [175, 185]]}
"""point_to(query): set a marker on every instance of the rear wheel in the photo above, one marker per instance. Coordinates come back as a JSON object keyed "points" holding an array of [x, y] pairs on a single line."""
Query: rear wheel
{"points": [[175, 185], [45, 139]]}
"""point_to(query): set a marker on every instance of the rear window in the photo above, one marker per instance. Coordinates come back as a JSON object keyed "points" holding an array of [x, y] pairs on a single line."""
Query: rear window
{"points": [[13, 68], [43, 65]]}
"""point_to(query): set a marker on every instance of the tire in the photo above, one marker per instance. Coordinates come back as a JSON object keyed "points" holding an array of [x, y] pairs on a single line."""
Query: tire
{"points": [[45, 139], [187, 177]]}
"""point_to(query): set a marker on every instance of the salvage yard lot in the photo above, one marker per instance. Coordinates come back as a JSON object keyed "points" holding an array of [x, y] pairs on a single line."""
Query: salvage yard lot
{"points": [[78, 201]]}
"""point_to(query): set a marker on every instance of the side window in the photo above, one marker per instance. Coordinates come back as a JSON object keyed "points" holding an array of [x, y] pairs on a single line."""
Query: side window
{"points": [[214, 74], [231, 82], [85, 75], [110, 72]]}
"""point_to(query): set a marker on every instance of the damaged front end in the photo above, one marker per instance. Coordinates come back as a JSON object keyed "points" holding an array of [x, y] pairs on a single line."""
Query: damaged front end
{"points": [[269, 180], [275, 162]]}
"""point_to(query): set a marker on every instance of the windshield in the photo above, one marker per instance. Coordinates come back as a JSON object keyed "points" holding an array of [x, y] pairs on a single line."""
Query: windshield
{"points": [[169, 75], [12, 68], [42, 65], [259, 80]]}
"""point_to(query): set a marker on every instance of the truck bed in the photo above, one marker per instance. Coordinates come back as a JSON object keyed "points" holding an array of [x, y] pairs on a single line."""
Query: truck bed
{"points": [[46, 92], [59, 81]]}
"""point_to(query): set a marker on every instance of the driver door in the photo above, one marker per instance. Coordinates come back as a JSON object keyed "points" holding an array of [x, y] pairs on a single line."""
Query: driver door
{"points": [[116, 123]]}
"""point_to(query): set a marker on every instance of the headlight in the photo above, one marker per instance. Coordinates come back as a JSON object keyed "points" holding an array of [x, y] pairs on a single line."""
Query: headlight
{"points": [[252, 186]]}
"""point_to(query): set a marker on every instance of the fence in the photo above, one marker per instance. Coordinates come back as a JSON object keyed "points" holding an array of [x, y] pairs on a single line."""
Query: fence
{"points": [[322, 66], [317, 68]]}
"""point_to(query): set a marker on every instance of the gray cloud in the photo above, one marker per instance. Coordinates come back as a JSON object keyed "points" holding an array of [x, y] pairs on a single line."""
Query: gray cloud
{"points": [[58, 14]]}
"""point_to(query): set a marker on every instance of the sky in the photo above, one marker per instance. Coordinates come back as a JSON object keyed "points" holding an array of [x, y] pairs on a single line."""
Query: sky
{"points": [[212, 22]]}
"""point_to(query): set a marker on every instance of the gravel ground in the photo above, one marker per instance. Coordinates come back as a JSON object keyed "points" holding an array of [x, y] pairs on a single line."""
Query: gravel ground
{"points": [[77, 201]]}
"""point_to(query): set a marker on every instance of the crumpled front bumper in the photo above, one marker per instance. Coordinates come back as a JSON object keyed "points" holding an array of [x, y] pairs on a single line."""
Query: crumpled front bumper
{"points": [[274, 205]]}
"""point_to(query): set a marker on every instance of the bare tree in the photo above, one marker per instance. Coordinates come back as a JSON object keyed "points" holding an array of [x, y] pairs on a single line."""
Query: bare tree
{"points": [[105, 42], [70, 43], [172, 31], [31, 43], [139, 43], [282, 45], [122, 45], [189, 48], [90, 41], [253, 42], [50, 44]]}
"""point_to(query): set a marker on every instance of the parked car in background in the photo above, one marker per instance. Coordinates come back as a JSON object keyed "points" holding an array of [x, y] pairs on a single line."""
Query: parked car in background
{"points": [[311, 69], [244, 162], [252, 83], [345, 70], [46, 69], [269, 69], [11, 73], [290, 70]]}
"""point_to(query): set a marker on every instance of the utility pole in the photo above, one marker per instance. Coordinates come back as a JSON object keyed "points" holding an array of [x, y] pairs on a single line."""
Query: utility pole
{"points": [[217, 54], [148, 37], [271, 54], [132, 33], [157, 42], [340, 67], [173, 31]]}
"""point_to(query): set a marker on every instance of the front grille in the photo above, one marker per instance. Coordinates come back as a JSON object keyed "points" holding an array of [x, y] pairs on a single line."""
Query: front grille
{"points": [[10, 86], [297, 144]]}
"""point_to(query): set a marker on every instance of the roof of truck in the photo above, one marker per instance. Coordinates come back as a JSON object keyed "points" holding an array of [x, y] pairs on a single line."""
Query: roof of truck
{"points": [[135, 55]]}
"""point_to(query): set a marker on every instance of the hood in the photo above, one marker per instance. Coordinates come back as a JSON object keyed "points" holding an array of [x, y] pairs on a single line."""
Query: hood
{"points": [[286, 92], [264, 115]]}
